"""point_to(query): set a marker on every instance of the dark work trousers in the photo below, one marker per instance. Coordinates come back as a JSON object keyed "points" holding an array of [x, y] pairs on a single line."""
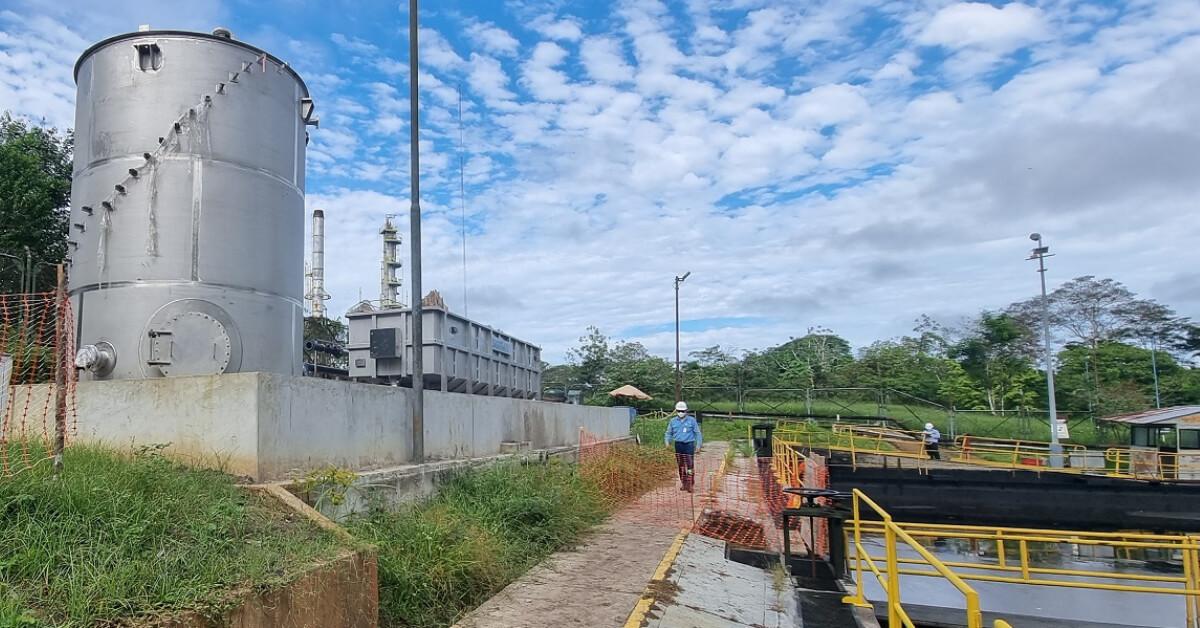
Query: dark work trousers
{"points": [[932, 450], [685, 458]]}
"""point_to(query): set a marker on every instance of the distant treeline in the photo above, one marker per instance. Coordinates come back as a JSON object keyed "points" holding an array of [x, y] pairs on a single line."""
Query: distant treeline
{"points": [[1109, 344]]}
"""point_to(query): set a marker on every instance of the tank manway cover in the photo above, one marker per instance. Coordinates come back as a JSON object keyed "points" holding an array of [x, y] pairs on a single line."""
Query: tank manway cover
{"points": [[199, 345]]}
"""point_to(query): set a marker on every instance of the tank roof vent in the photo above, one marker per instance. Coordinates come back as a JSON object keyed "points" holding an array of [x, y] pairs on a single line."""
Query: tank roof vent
{"points": [[222, 32]]}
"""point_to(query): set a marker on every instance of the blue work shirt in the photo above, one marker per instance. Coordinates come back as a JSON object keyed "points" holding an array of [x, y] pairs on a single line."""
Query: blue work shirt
{"points": [[683, 430]]}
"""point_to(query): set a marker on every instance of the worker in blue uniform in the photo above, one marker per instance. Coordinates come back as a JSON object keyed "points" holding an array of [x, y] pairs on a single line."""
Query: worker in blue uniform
{"points": [[684, 431]]}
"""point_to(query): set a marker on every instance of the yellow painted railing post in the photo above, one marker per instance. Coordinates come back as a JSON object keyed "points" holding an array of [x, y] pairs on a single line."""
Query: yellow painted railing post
{"points": [[974, 614], [1190, 578], [1000, 548], [893, 573], [859, 598], [1024, 559]]}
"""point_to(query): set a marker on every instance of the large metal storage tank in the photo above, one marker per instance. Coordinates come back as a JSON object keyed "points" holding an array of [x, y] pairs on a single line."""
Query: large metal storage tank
{"points": [[187, 234]]}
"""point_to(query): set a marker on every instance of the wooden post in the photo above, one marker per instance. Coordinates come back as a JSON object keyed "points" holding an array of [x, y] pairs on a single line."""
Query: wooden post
{"points": [[63, 362]]}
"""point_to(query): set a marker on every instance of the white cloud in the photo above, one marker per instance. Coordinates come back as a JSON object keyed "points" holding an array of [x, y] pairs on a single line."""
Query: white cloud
{"points": [[977, 24], [564, 29], [492, 38], [540, 76], [436, 52], [354, 44], [604, 60], [489, 80]]}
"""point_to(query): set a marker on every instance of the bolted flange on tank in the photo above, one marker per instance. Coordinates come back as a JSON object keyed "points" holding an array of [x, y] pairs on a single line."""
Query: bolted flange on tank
{"points": [[187, 207]]}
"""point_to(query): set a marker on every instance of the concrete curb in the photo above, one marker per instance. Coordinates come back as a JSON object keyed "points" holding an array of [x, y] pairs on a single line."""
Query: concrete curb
{"points": [[638, 617]]}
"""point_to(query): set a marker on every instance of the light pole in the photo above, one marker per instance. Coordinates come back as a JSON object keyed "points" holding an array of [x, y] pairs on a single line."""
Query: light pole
{"points": [[414, 239], [678, 374], [1154, 368], [1040, 253]]}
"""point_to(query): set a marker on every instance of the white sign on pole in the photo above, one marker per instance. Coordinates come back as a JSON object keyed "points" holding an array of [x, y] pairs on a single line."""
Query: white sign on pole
{"points": [[1061, 427]]}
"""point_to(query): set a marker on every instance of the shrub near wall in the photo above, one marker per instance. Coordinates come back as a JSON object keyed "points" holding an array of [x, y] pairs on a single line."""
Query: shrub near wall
{"points": [[441, 558]]}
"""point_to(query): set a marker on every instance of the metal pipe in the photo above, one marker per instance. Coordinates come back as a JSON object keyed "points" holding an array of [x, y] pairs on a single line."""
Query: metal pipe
{"points": [[414, 236]]}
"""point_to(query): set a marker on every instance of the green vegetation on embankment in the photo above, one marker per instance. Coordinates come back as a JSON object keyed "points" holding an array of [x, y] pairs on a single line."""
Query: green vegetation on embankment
{"points": [[116, 536], [444, 556], [1083, 432]]}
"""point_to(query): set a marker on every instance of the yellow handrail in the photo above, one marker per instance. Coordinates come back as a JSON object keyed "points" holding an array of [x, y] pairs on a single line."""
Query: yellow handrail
{"points": [[1149, 464], [1186, 547], [1019, 569], [854, 439], [889, 576]]}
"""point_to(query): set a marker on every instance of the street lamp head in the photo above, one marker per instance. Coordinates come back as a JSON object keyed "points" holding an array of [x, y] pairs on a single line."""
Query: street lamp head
{"points": [[1036, 237], [684, 277]]}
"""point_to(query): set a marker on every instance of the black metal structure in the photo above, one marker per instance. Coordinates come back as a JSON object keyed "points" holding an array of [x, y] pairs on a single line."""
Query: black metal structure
{"points": [[1023, 498]]}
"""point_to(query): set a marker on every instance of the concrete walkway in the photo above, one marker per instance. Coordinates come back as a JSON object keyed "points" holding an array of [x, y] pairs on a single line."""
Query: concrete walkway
{"points": [[704, 590], [597, 584]]}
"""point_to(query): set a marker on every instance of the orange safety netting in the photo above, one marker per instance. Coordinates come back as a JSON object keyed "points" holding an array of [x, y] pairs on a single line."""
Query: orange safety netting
{"points": [[36, 347], [734, 498]]}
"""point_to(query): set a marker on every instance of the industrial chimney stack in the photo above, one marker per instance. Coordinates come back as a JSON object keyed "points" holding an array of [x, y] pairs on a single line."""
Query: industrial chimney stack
{"points": [[389, 270], [316, 294]]}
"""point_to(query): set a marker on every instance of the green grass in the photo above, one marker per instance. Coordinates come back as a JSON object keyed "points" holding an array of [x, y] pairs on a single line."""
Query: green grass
{"points": [[651, 431], [444, 556], [914, 415], [116, 536]]}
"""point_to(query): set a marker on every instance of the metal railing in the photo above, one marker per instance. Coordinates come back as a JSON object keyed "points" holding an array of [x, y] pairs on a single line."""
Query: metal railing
{"points": [[888, 574], [787, 464], [1014, 564], [1022, 454], [1001, 453], [854, 439], [1149, 464]]}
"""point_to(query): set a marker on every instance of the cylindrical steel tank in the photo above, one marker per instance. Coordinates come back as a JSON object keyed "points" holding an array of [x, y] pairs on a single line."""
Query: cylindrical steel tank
{"points": [[187, 207]]}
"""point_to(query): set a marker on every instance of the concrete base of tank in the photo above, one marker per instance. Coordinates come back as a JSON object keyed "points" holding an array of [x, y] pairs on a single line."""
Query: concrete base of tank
{"points": [[272, 427]]}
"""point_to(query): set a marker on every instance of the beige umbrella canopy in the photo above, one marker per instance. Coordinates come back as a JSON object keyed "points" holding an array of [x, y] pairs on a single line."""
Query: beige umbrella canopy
{"points": [[629, 391]]}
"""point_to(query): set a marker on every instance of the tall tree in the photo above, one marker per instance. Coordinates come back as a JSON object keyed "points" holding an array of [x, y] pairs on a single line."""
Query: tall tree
{"points": [[1091, 311], [35, 198], [591, 358], [993, 353], [631, 363], [812, 360]]}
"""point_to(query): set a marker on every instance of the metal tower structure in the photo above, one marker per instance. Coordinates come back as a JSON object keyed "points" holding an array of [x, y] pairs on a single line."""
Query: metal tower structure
{"points": [[389, 269]]}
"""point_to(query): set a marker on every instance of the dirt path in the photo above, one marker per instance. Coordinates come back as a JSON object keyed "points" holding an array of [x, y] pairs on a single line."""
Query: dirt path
{"points": [[598, 583]]}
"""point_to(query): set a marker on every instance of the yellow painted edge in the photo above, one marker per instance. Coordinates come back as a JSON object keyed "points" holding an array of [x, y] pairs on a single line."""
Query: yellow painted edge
{"points": [[660, 573]]}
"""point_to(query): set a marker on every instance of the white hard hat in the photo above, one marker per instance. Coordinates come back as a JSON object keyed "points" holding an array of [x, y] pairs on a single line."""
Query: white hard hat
{"points": [[681, 407], [929, 426]]}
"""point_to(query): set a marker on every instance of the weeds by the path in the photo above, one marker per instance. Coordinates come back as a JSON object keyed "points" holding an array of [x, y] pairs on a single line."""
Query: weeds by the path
{"points": [[442, 557], [116, 536], [445, 556]]}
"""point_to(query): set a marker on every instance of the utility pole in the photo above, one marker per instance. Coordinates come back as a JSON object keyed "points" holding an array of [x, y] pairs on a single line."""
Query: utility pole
{"points": [[678, 373], [1040, 253], [1154, 367], [414, 237]]}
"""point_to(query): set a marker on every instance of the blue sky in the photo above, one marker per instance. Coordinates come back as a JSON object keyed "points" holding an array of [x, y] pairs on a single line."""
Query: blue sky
{"points": [[849, 164]]}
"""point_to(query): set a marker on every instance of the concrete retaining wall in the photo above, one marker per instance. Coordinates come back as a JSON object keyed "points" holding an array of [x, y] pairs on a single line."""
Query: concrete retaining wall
{"points": [[269, 426], [343, 593]]}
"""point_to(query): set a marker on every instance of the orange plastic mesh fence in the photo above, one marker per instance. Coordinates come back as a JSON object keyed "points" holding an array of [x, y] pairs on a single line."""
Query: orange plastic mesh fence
{"points": [[732, 498], [36, 338]]}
